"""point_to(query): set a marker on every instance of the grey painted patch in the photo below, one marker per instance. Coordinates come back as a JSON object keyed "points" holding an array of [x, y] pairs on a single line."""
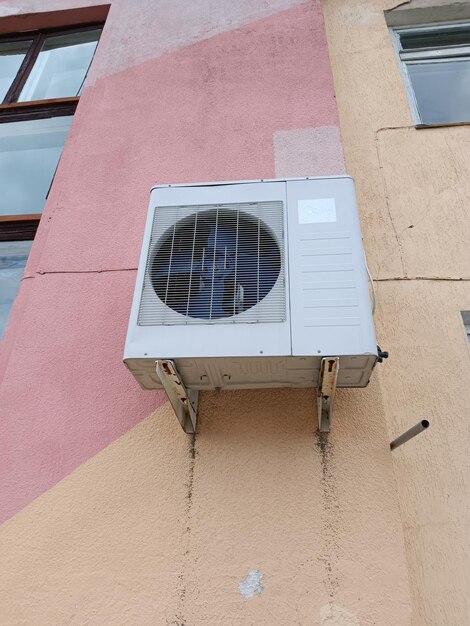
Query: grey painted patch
{"points": [[251, 584], [309, 152]]}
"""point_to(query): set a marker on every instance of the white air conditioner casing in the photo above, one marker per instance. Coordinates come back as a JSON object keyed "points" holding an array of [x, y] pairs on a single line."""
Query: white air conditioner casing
{"points": [[318, 306]]}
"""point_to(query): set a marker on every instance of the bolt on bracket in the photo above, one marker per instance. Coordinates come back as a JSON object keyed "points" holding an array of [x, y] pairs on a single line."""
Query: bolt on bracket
{"points": [[326, 392], [183, 401]]}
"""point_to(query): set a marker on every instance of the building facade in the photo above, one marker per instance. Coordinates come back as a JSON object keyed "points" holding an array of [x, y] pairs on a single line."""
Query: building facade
{"points": [[110, 513]]}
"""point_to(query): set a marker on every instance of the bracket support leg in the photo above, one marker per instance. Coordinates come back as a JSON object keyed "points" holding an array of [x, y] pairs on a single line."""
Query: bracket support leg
{"points": [[183, 401], [326, 392]]}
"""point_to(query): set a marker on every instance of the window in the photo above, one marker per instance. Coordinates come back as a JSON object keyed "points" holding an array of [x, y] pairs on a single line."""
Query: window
{"points": [[13, 257], [41, 78], [466, 323], [436, 62]]}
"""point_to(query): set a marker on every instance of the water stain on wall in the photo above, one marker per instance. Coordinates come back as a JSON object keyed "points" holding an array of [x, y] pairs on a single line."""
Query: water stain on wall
{"points": [[180, 619], [331, 515]]}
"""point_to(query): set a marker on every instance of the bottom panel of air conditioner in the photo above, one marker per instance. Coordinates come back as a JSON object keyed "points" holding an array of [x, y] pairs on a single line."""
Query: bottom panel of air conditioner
{"points": [[255, 372]]}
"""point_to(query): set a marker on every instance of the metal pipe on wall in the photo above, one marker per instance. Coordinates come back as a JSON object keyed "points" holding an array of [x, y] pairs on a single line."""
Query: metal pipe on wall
{"points": [[409, 434]]}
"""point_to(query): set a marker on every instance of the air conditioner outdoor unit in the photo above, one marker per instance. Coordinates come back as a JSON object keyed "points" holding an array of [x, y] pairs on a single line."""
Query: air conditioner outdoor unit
{"points": [[252, 284]]}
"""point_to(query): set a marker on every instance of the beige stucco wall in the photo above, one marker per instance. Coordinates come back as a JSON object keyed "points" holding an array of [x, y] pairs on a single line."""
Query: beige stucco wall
{"points": [[414, 192], [162, 529]]}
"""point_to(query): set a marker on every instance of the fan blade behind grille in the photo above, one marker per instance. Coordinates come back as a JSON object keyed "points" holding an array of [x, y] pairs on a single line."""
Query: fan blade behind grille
{"points": [[216, 263]]}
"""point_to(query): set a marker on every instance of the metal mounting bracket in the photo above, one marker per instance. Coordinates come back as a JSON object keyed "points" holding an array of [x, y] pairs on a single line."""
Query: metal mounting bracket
{"points": [[326, 392], [183, 401]]}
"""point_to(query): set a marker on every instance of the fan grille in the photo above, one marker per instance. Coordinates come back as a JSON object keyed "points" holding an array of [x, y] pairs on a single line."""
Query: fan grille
{"points": [[215, 264]]}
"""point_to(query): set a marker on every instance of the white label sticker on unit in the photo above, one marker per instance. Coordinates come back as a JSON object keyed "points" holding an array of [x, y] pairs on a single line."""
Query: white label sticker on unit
{"points": [[316, 211]]}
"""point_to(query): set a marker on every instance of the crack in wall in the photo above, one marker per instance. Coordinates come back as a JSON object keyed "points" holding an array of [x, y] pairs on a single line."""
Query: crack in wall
{"points": [[133, 269], [101, 271], [120, 269], [425, 278], [387, 202], [396, 6]]}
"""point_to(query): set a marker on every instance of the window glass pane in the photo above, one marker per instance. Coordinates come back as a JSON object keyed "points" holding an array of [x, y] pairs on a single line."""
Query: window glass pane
{"points": [[13, 257], [466, 321], [12, 54], [61, 67], [435, 38], [442, 90], [29, 153]]}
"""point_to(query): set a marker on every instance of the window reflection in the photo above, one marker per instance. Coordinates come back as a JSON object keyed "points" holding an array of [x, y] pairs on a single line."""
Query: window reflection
{"points": [[435, 38], [442, 90], [12, 54], [29, 153], [13, 257], [61, 66]]}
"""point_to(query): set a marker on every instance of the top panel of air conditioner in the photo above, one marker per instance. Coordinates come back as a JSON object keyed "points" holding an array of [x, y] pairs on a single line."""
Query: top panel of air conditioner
{"points": [[251, 283]]}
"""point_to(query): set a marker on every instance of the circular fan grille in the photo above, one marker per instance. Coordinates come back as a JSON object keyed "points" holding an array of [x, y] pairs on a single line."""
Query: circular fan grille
{"points": [[215, 264]]}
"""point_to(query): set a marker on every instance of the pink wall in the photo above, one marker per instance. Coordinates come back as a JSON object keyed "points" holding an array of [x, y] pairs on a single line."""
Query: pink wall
{"points": [[208, 110]]}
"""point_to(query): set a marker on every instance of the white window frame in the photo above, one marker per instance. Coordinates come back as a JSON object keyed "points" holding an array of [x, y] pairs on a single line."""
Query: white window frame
{"points": [[423, 55]]}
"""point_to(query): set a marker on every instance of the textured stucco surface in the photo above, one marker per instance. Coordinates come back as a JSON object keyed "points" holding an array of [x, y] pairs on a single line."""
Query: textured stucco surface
{"points": [[106, 545], [413, 190], [309, 152], [433, 474], [171, 25], [157, 529], [71, 400], [116, 519]]}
